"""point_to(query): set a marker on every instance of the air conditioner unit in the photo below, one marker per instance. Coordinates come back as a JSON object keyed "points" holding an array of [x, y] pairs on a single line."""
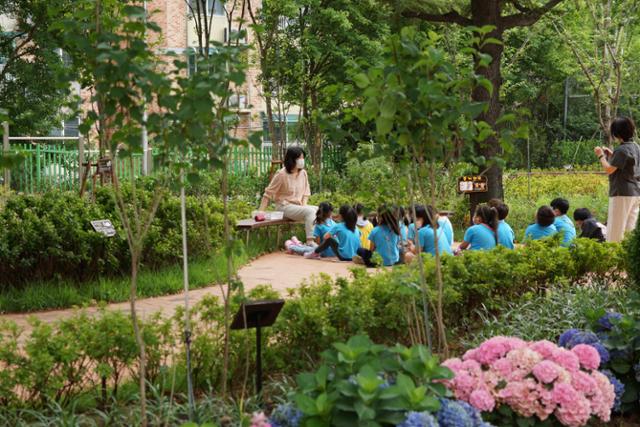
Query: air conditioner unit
{"points": [[234, 34]]}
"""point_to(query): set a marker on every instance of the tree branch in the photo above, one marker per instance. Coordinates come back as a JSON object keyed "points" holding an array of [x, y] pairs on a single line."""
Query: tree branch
{"points": [[452, 17], [530, 17]]}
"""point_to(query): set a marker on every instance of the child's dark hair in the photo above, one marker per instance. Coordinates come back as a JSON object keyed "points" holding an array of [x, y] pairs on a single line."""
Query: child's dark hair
{"points": [[427, 215], [387, 216], [488, 215], [623, 128], [359, 209], [582, 214], [325, 209], [501, 207], [561, 204], [402, 216], [545, 216], [349, 217]]}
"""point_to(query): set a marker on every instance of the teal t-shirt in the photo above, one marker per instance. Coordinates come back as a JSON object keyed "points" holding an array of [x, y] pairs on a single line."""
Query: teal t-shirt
{"points": [[320, 230], [537, 232], [481, 237], [386, 242], [428, 241], [404, 232], [348, 241], [411, 232], [506, 236], [445, 224], [566, 228]]}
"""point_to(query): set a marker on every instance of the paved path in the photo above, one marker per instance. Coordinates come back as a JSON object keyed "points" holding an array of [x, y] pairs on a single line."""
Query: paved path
{"points": [[280, 270]]}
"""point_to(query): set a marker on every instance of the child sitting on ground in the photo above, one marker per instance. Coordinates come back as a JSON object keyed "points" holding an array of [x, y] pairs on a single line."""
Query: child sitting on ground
{"points": [[483, 235], [343, 238], [324, 223], [543, 227], [506, 236], [426, 236], [562, 222], [445, 223], [364, 225], [384, 238], [589, 226]]}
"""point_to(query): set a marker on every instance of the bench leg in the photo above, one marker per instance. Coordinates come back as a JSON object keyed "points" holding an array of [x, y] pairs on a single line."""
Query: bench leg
{"points": [[279, 237], [247, 238]]}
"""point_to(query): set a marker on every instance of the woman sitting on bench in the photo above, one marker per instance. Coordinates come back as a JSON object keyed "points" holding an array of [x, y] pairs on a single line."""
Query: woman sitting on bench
{"points": [[289, 189]]}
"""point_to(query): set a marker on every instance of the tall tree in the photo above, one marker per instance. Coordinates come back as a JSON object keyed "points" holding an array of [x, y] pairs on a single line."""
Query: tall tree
{"points": [[501, 15], [29, 90]]}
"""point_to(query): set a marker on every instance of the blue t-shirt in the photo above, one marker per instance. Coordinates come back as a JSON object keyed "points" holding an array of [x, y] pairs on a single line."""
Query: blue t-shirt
{"points": [[386, 242], [411, 232], [404, 232], [428, 241], [348, 241], [445, 224], [537, 232], [481, 237], [320, 230], [566, 228], [506, 236]]}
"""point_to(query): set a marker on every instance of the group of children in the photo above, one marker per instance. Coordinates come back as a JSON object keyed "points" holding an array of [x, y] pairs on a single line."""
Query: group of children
{"points": [[398, 236]]}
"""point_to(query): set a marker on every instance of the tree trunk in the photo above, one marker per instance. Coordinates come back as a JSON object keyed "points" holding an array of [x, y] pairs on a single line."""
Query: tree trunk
{"points": [[138, 334], [276, 148], [315, 140], [487, 12]]}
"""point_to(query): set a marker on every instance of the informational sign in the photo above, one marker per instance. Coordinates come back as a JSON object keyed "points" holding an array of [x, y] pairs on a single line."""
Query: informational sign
{"points": [[104, 166], [473, 184], [104, 227]]}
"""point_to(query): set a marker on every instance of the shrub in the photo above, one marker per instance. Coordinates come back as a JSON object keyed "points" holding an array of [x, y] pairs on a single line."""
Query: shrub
{"points": [[632, 250], [49, 236]]}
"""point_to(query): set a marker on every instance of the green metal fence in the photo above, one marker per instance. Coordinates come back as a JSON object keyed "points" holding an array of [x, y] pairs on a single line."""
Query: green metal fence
{"points": [[55, 166]]}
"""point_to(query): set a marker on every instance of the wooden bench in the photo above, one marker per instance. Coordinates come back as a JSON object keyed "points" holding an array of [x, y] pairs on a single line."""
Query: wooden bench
{"points": [[251, 224]]}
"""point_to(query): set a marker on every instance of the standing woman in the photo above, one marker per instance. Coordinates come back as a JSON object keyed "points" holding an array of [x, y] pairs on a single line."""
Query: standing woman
{"points": [[289, 189], [623, 167]]}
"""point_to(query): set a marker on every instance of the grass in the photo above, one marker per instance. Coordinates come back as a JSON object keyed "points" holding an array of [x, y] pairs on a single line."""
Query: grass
{"points": [[49, 295], [547, 315]]}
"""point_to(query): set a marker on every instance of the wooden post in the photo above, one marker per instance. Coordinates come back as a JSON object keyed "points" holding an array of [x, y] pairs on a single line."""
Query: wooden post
{"points": [[81, 159], [5, 149]]}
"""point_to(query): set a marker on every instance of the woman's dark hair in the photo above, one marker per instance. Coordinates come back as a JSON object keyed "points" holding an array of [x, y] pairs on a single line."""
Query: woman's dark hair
{"points": [[501, 207], [387, 216], [349, 216], [545, 216], [582, 214], [291, 156], [359, 208], [324, 212], [561, 204], [623, 128], [488, 215], [427, 215]]}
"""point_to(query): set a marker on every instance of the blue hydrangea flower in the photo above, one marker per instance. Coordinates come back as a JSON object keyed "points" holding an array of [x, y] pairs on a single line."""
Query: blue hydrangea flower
{"points": [[602, 351], [618, 388], [566, 337], [419, 419], [453, 414], [582, 337], [286, 416], [607, 321], [473, 413]]}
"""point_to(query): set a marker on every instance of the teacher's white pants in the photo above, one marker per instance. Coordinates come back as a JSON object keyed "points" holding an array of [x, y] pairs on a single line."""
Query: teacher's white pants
{"points": [[305, 213], [623, 217]]}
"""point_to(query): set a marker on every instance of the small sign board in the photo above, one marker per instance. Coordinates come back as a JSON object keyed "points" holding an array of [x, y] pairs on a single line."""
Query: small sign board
{"points": [[104, 227], [104, 166], [473, 184]]}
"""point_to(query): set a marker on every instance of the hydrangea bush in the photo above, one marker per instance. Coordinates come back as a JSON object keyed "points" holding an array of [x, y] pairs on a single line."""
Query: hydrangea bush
{"points": [[515, 382]]}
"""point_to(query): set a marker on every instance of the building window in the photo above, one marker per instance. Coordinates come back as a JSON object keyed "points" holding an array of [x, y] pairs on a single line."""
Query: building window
{"points": [[215, 7], [285, 130]]}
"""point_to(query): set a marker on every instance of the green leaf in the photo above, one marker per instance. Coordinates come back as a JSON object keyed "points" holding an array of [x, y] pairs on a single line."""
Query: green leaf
{"points": [[361, 80], [306, 404]]}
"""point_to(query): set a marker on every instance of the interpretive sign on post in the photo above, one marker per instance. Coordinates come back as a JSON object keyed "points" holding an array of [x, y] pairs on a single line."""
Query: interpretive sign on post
{"points": [[104, 227], [473, 184]]}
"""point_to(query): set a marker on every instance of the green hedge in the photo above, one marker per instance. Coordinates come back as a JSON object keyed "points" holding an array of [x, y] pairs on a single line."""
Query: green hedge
{"points": [[49, 236], [60, 361]]}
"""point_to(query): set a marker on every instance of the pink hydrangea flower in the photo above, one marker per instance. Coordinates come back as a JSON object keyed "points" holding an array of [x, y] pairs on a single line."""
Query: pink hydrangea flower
{"points": [[482, 400], [259, 419], [546, 371], [544, 348], [588, 356], [604, 397], [575, 413], [567, 359], [584, 383]]}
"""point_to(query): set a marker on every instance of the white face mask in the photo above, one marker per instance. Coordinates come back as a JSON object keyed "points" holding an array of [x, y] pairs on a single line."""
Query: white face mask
{"points": [[300, 163]]}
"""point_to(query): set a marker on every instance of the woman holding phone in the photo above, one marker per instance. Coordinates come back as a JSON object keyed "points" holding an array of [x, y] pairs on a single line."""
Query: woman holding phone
{"points": [[289, 190], [623, 167]]}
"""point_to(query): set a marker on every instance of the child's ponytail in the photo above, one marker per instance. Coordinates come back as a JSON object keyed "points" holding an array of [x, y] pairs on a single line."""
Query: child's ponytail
{"points": [[324, 212]]}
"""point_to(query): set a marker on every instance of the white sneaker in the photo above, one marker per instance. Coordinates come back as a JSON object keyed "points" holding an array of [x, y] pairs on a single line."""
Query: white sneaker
{"points": [[312, 255]]}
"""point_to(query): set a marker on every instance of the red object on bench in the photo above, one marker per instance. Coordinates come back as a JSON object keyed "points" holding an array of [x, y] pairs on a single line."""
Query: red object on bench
{"points": [[260, 217]]}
